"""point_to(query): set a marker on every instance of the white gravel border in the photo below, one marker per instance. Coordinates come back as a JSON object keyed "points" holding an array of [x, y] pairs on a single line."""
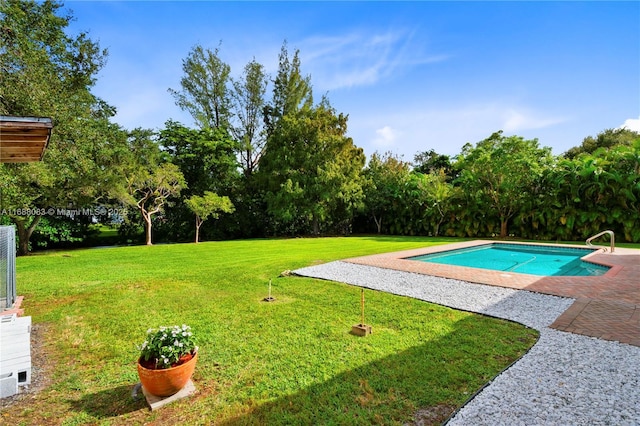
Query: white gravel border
{"points": [[565, 379]]}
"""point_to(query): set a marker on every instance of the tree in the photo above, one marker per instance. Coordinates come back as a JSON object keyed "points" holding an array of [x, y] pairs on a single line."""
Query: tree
{"points": [[77, 173], [42, 67], [312, 171], [248, 103], [150, 181], [386, 178], [440, 195], [205, 91], [46, 72], [606, 139], [291, 91], [150, 191], [498, 173], [431, 162], [207, 159], [210, 204], [594, 192]]}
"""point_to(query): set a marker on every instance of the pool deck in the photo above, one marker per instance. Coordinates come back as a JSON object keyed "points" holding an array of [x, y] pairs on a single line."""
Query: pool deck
{"points": [[606, 306]]}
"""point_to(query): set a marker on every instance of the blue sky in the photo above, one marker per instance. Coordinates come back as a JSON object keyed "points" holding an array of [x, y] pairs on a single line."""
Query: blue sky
{"points": [[412, 76]]}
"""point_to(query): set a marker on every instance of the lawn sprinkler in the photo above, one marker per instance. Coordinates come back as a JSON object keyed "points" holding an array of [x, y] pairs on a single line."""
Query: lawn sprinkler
{"points": [[361, 329], [269, 298]]}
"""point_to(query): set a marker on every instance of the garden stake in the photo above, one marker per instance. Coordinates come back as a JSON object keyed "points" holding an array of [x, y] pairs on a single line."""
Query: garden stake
{"points": [[269, 298], [361, 329], [362, 305]]}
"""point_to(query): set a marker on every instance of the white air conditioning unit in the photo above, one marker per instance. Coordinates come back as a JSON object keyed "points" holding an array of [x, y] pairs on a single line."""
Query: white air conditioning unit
{"points": [[15, 353]]}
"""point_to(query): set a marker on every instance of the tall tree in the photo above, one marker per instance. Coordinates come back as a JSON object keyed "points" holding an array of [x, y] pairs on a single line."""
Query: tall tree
{"points": [[498, 173], [46, 72], [43, 68], [313, 171], [205, 88], [210, 204], [291, 91], [248, 103]]}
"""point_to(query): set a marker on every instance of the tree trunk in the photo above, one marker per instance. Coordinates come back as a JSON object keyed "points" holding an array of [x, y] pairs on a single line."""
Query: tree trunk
{"points": [[198, 225], [503, 228], [24, 234], [378, 223], [147, 226], [442, 215]]}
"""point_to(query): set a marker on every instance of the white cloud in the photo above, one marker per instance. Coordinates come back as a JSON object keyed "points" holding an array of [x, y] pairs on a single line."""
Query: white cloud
{"points": [[515, 120], [447, 128], [386, 137], [361, 58], [632, 124]]}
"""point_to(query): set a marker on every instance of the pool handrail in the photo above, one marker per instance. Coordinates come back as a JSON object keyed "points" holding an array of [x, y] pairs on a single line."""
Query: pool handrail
{"points": [[613, 239]]}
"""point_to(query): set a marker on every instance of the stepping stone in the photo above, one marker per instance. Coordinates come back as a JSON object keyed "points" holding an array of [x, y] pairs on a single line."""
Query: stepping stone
{"points": [[156, 402]]}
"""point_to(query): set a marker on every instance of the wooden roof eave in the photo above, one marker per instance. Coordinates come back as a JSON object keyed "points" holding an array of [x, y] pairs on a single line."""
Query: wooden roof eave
{"points": [[23, 139]]}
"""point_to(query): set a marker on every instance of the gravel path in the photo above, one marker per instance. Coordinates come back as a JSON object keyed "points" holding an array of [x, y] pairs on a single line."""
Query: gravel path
{"points": [[565, 379]]}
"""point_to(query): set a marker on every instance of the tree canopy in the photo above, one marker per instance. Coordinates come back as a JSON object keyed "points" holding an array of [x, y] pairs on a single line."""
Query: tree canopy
{"points": [[150, 181], [606, 139], [386, 177], [47, 72], [205, 92], [312, 170], [291, 90], [499, 172], [248, 127], [209, 204]]}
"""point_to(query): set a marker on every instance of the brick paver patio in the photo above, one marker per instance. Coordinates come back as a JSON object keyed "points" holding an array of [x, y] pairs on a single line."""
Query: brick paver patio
{"points": [[606, 306]]}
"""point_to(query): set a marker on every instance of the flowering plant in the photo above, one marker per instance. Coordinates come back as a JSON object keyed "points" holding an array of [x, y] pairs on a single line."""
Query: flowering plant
{"points": [[167, 347]]}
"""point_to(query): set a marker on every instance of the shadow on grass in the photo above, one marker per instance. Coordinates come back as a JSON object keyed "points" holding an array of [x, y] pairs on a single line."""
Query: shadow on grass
{"points": [[109, 402], [421, 385]]}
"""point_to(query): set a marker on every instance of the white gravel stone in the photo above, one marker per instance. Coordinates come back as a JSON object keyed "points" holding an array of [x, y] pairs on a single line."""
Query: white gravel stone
{"points": [[565, 379]]}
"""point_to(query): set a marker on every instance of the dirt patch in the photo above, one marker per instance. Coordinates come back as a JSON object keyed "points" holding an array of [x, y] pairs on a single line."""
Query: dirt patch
{"points": [[40, 367], [430, 416]]}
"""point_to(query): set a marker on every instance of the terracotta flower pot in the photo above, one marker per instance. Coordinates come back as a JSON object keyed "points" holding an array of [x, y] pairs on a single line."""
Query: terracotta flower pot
{"points": [[167, 381]]}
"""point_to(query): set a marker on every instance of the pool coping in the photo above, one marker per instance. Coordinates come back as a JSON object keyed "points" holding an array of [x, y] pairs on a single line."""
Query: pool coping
{"points": [[607, 306]]}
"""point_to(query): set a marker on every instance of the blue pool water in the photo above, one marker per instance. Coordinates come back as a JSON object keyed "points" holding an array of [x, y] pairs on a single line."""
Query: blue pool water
{"points": [[523, 259]]}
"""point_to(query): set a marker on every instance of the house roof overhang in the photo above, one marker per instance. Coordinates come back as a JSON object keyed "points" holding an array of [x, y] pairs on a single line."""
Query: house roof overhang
{"points": [[23, 139]]}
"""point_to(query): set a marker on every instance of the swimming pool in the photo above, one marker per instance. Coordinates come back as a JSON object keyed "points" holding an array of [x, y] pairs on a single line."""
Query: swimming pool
{"points": [[520, 258]]}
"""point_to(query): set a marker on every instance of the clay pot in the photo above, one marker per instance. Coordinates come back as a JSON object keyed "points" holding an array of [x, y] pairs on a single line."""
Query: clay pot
{"points": [[167, 381]]}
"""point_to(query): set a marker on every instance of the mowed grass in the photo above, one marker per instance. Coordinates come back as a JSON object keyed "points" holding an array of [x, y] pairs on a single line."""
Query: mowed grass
{"points": [[289, 362]]}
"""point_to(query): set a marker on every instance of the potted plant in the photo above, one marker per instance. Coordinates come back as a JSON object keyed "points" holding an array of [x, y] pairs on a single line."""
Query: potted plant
{"points": [[167, 359]]}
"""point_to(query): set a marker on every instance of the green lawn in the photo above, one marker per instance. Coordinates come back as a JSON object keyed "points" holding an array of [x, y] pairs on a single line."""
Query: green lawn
{"points": [[292, 361]]}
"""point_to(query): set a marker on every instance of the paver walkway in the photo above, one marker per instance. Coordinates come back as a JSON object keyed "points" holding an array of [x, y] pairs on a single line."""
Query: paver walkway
{"points": [[606, 306]]}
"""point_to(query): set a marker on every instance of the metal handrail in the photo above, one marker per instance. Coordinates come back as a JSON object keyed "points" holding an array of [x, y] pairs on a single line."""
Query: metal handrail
{"points": [[613, 239]]}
